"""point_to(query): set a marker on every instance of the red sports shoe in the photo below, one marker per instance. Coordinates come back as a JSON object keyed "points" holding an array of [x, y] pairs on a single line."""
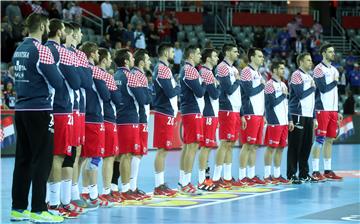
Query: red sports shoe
{"points": [[207, 185], [129, 196], [330, 175], [59, 210], [221, 183], [258, 181], [142, 194], [248, 182], [271, 180], [85, 196], [164, 191], [317, 175], [110, 198], [282, 180], [235, 183]]}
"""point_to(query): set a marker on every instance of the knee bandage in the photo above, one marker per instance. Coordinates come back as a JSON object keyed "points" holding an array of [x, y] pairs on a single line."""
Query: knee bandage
{"points": [[69, 160], [93, 163], [319, 140]]}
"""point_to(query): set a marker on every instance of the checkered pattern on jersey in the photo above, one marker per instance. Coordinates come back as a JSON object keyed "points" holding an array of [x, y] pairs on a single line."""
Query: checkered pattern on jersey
{"points": [[246, 74], [110, 82], [223, 70], [66, 56], [141, 77], [318, 72], [133, 81], [45, 55], [164, 72], [190, 72], [269, 87], [82, 59], [207, 75], [296, 78]]}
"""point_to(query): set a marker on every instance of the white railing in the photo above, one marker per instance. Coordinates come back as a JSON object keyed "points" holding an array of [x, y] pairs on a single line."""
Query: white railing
{"points": [[229, 18], [94, 19], [219, 23], [336, 25]]}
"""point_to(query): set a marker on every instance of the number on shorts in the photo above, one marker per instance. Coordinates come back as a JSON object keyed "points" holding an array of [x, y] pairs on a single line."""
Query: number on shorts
{"points": [[145, 128], [102, 127], [51, 120], [115, 129], [208, 121], [70, 119], [171, 121]]}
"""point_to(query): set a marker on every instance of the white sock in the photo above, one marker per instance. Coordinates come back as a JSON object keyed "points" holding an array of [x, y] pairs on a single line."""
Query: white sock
{"points": [[135, 163], [125, 187], [242, 173], [106, 190], [93, 191], [75, 195], [114, 187], [267, 171], [47, 192], [85, 190], [65, 192], [227, 171], [181, 177], [187, 179], [251, 172], [54, 196], [327, 164], [277, 172], [159, 179], [201, 176], [315, 165], [217, 172]]}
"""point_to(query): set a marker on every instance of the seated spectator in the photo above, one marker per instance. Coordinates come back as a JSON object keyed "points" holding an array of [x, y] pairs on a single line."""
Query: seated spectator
{"points": [[349, 104], [139, 37], [317, 29], [18, 31], [76, 12], [283, 34], [129, 35], [53, 11], [152, 39], [137, 19], [162, 24], [259, 37], [355, 79], [13, 10], [9, 95]]}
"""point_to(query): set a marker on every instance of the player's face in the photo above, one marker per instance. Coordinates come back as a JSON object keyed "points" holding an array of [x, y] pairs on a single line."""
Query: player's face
{"points": [[330, 54], [77, 37], [131, 60], [214, 58], [147, 63], [46, 30], [234, 54], [258, 58], [281, 71], [307, 63], [62, 34], [96, 56], [197, 56], [108, 60], [171, 54]]}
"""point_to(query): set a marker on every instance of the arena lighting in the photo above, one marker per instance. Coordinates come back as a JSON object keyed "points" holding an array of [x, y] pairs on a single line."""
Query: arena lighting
{"points": [[288, 2]]}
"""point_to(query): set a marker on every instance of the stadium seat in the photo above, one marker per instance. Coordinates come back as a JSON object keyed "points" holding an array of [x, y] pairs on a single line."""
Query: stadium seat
{"points": [[99, 39], [351, 33], [194, 41], [240, 36], [188, 28], [357, 39], [190, 35], [247, 29], [181, 36], [201, 35], [198, 28]]}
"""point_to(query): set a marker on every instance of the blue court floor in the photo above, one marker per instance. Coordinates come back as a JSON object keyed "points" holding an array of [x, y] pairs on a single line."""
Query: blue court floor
{"points": [[329, 202]]}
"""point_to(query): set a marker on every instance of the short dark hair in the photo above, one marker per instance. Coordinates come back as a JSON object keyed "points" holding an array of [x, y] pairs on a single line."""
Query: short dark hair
{"points": [[301, 57], [228, 47], [55, 25], [190, 50], [324, 47], [68, 28], [206, 53], [164, 47], [76, 26], [103, 53], [252, 51], [88, 48], [34, 21], [276, 64], [139, 55], [120, 56]]}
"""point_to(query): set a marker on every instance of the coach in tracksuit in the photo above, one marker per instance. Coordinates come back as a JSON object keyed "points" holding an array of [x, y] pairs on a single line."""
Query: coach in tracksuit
{"points": [[302, 114]]}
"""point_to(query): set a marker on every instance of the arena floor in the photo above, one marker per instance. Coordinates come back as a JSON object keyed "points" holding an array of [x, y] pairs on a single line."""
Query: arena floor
{"points": [[329, 202]]}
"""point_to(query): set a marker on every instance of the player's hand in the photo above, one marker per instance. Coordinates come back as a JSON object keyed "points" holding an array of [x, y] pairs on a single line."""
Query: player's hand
{"points": [[216, 82], [243, 123], [340, 118], [313, 83], [265, 121], [263, 81], [315, 124], [237, 75], [285, 91], [291, 126]]}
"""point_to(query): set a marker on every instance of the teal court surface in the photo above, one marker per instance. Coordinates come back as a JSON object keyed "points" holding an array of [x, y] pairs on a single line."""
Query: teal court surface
{"points": [[329, 202]]}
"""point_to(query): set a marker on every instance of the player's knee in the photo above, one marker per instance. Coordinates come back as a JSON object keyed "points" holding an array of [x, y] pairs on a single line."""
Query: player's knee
{"points": [[93, 163], [329, 140], [319, 140], [69, 161]]}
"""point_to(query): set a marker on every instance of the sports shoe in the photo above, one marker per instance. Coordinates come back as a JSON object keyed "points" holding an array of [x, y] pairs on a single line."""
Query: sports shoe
{"points": [[271, 180], [85, 196], [282, 180], [73, 208], [207, 185], [330, 175], [110, 198], [164, 191], [308, 178], [248, 182], [221, 183], [142, 194], [317, 175], [190, 190], [101, 202], [129, 196], [19, 215], [258, 181], [45, 216], [85, 205], [235, 183], [294, 180], [59, 210], [116, 194]]}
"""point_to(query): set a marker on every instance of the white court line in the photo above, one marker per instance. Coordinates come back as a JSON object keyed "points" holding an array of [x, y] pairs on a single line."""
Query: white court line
{"points": [[218, 201]]}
